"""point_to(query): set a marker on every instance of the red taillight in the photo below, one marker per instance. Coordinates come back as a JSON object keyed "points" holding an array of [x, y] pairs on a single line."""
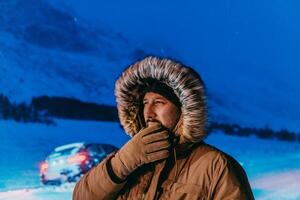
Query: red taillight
{"points": [[78, 158], [43, 167]]}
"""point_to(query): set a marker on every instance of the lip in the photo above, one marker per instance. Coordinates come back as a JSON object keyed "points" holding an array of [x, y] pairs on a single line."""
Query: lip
{"points": [[152, 123]]}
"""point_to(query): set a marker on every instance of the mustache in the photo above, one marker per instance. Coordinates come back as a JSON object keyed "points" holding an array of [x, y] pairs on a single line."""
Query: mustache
{"points": [[151, 120]]}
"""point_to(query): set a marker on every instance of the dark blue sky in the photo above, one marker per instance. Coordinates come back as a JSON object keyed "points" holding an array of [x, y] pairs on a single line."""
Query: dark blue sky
{"points": [[224, 32]]}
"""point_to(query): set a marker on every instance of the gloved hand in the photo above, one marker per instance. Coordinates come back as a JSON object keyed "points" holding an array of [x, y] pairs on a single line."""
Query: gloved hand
{"points": [[149, 145]]}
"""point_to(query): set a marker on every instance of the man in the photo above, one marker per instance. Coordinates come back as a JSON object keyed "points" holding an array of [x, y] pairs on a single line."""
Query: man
{"points": [[162, 105]]}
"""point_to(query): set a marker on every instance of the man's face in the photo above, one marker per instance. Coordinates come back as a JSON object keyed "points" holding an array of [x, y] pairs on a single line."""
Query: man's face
{"points": [[159, 109]]}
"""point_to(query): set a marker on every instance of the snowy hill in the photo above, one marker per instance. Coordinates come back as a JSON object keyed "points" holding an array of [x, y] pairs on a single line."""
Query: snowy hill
{"points": [[74, 49], [44, 51], [247, 52]]}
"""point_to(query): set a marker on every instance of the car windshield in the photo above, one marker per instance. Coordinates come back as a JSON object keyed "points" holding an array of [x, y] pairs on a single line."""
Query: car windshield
{"points": [[63, 152]]}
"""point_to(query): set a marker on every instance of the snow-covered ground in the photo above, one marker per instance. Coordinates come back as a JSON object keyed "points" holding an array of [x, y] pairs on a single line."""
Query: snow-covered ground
{"points": [[24, 146], [43, 193], [272, 166]]}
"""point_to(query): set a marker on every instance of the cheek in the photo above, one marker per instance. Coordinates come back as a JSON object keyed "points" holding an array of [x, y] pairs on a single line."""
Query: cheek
{"points": [[144, 112], [168, 117]]}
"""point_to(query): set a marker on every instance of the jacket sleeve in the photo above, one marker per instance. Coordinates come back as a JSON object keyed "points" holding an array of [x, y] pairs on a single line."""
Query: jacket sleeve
{"points": [[97, 184], [231, 182]]}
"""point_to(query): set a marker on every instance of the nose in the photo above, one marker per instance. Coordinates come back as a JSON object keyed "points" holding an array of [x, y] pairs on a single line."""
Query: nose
{"points": [[149, 112]]}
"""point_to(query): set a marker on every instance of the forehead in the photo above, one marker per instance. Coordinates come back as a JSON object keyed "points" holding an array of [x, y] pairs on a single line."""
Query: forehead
{"points": [[153, 95]]}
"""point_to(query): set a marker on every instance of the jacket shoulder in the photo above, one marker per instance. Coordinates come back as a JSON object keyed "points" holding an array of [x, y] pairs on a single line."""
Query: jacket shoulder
{"points": [[215, 160], [225, 172], [211, 153]]}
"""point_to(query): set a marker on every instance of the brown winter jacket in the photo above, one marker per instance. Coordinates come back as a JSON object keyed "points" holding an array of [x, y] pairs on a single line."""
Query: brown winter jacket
{"points": [[194, 169], [203, 173]]}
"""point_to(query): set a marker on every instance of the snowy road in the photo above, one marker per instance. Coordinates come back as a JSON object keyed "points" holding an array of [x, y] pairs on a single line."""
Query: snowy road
{"points": [[283, 185], [280, 186], [43, 193]]}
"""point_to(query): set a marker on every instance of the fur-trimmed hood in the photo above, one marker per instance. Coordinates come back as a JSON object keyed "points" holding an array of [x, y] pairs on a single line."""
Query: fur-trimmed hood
{"points": [[185, 82]]}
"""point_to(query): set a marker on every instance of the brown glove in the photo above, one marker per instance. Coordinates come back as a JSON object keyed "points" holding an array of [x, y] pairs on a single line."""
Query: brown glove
{"points": [[149, 145]]}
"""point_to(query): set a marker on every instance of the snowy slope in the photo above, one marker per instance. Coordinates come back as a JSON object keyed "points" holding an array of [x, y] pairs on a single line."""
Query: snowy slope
{"points": [[247, 51], [44, 51]]}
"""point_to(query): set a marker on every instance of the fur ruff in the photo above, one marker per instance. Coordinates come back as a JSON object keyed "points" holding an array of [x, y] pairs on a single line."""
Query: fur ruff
{"points": [[185, 82]]}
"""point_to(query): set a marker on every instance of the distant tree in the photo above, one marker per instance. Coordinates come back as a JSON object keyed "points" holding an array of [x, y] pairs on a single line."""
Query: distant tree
{"points": [[15, 113], [236, 129], [265, 133], [71, 108], [298, 138], [5, 107], [286, 135], [247, 131], [24, 112]]}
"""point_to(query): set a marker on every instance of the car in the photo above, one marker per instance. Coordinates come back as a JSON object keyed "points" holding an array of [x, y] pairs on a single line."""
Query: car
{"points": [[69, 162]]}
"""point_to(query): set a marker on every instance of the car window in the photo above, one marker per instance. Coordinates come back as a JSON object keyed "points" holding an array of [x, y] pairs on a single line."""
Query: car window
{"points": [[93, 149], [108, 148]]}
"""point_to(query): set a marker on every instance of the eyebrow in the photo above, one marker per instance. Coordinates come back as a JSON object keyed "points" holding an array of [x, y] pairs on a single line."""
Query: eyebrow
{"points": [[157, 98]]}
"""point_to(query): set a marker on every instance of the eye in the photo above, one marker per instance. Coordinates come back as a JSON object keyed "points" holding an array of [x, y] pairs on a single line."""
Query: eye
{"points": [[159, 102]]}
